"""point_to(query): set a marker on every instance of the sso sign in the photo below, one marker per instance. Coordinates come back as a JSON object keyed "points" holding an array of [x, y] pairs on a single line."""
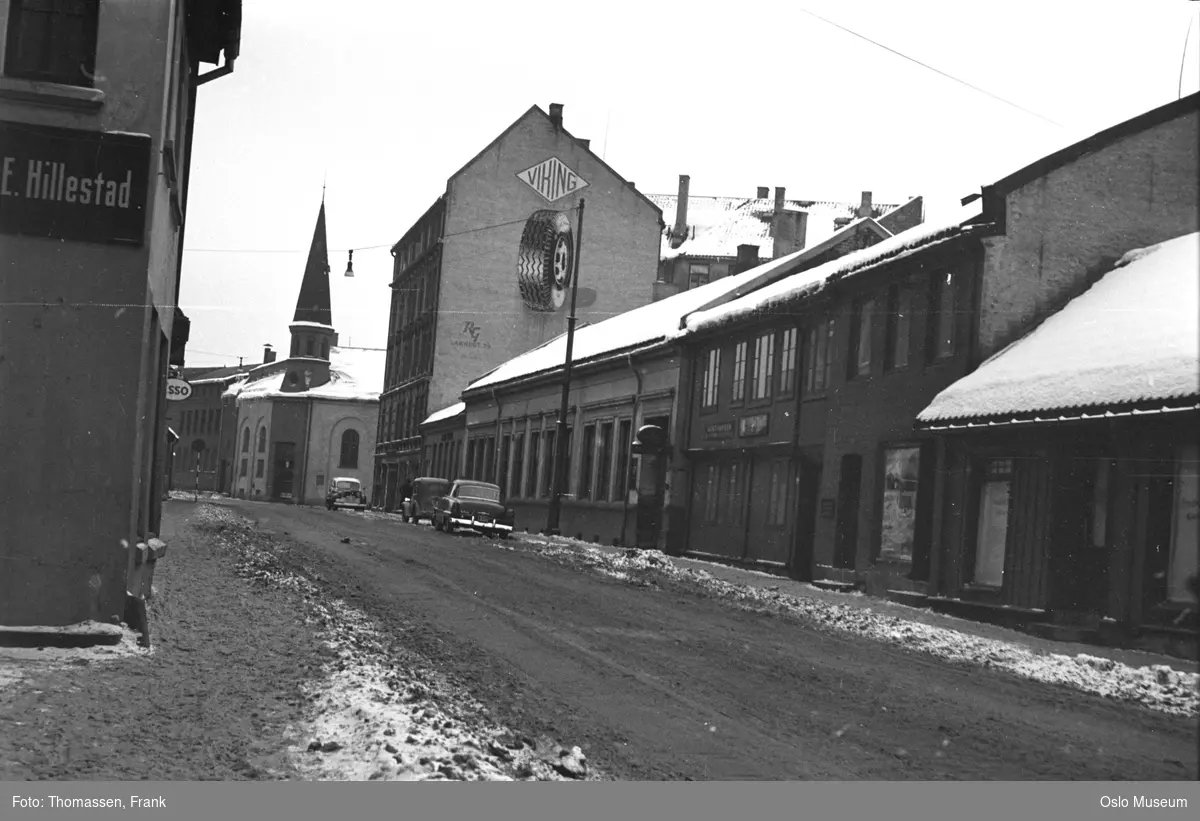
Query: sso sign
{"points": [[552, 179], [178, 390]]}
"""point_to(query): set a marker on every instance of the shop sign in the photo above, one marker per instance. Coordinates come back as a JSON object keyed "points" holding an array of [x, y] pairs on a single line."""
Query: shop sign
{"points": [[753, 425], [553, 179], [720, 430]]}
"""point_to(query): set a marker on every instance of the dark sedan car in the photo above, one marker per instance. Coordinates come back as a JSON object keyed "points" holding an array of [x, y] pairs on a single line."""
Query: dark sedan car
{"points": [[475, 505]]}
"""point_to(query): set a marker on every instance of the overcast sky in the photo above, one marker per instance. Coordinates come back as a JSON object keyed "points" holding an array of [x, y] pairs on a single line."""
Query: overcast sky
{"points": [[385, 100]]}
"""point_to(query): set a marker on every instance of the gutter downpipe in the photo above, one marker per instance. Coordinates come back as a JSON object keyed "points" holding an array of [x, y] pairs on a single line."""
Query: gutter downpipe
{"points": [[216, 73], [637, 407]]}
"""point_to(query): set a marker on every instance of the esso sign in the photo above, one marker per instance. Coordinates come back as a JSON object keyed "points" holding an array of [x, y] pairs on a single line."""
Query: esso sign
{"points": [[178, 390]]}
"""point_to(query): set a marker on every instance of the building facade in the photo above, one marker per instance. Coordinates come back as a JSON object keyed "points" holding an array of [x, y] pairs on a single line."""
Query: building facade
{"points": [[196, 460], [483, 275], [310, 418], [97, 104]]}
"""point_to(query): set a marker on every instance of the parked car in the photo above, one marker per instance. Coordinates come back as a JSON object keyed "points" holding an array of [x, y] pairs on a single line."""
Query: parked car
{"points": [[423, 500], [345, 492], [475, 505]]}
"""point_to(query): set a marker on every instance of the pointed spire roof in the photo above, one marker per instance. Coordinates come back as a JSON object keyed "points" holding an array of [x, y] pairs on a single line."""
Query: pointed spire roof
{"points": [[314, 304]]}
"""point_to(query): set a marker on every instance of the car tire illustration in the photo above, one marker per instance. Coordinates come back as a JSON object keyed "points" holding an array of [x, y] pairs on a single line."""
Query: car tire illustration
{"points": [[546, 260]]}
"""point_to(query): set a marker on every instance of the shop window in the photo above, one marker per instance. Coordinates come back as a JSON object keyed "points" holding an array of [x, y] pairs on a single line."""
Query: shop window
{"points": [[711, 378], [991, 537], [901, 475], [818, 355], [787, 361], [623, 467], [1184, 533], [604, 468], [589, 458], [764, 366], [738, 392], [52, 41], [349, 451], [899, 322]]}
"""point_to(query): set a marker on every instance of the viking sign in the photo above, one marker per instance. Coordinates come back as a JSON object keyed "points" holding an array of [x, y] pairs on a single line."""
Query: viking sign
{"points": [[552, 179]]}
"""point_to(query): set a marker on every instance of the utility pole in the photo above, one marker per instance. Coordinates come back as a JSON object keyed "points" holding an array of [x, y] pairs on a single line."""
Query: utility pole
{"points": [[560, 438]]}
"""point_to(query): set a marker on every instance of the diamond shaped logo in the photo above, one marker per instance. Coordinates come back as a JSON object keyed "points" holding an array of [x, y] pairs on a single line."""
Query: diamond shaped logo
{"points": [[552, 178]]}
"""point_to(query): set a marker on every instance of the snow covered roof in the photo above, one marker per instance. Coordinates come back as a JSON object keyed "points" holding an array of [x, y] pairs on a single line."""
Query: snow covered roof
{"points": [[446, 413], [1133, 337], [721, 224], [644, 326], [355, 374], [779, 295]]}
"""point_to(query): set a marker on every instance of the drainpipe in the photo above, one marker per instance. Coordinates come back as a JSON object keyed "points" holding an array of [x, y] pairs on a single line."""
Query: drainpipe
{"points": [[637, 407], [216, 73]]}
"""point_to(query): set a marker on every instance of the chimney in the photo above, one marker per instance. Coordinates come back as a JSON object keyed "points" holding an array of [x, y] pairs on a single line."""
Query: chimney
{"points": [[800, 235], [747, 258], [679, 234], [764, 192], [586, 144], [779, 201], [864, 208], [556, 114], [783, 230], [268, 355]]}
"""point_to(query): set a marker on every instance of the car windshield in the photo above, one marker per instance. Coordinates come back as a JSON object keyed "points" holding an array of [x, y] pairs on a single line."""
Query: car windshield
{"points": [[490, 494], [346, 484]]}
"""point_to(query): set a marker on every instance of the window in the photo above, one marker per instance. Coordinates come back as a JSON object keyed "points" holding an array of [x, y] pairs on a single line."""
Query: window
{"points": [[550, 460], [242, 471], [518, 463], [899, 320], [739, 372], [258, 468], [711, 488], [818, 356], [471, 447], [901, 472], [777, 495], [942, 319], [52, 41], [502, 478], [787, 361], [712, 377], [349, 457], [489, 460], [764, 366], [697, 275], [262, 440], [566, 488], [320, 480], [589, 459], [1183, 525], [859, 361], [624, 443], [531, 481], [245, 441], [604, 471], [733, 494], [991, 535], [325, 349]]}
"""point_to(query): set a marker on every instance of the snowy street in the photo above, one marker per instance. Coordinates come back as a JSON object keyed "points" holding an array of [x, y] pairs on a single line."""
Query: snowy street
{"points": [[335, 645]]}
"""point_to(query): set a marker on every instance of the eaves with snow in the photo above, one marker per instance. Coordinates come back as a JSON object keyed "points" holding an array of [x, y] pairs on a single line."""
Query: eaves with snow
{"points": [[355, 375], [782, 295], [446, 413], [718, 225], [1132, 338]]}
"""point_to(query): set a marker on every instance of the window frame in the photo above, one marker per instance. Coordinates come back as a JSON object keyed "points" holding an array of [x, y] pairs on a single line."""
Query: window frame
{"points": [[861, 337], [741, 357], [942, 333], [762, 370], [788, 371], [710, 380], [82, 76]]}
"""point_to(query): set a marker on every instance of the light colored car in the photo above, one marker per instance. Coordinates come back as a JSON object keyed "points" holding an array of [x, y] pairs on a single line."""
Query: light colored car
{"points": [[345, 491]]}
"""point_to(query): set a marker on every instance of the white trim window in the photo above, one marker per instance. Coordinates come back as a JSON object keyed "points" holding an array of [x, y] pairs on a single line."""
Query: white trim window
{"points": [[712, 378]]}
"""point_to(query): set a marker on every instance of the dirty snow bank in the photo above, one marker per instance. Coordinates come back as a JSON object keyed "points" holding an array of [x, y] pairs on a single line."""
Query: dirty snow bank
{"points": [[1158, 687], [382, 712]]}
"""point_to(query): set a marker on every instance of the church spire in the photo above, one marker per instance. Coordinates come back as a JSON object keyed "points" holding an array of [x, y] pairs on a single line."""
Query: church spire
{"points": [[314, 304]]}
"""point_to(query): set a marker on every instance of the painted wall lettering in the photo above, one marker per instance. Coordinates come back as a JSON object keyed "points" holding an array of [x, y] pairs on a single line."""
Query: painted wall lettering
{"points": [[552, 179]]}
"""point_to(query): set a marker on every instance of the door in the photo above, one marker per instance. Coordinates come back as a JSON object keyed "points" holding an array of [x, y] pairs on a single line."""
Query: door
{"points": [[1080, 555], [285, 468], [807, 501], [849, 486]]}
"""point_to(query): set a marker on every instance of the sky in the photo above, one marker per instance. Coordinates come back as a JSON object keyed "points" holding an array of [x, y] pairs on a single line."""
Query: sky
{"points": [[381, 102]]}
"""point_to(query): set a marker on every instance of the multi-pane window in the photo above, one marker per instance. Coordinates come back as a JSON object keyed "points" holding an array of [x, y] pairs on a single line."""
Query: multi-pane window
{"points": [[52, 41], [818, 356], [787, 361], [859, 361], [502, 478], [763, 367], [697, 275], [604, 472], [535, 460], [739, 372], [899, 322], [589, 459], [549, 458], [624, 443], [777, 495], [942, 319], [711, 378]]}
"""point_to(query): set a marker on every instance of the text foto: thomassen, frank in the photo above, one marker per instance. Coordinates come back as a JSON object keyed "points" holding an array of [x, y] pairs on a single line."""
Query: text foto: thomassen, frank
{"points": [[58, 802]]}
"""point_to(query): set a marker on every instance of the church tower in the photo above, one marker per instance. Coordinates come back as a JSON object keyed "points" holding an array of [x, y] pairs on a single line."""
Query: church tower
{"points": [[312, 325]]}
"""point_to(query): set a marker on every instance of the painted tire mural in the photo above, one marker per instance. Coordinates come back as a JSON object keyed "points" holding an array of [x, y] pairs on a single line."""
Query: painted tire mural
{"points": [[546, 260]]}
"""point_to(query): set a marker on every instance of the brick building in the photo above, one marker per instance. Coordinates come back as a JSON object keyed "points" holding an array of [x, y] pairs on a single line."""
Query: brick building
{"points": [[482, 276], [707, 238], [97, 108], [203, 417]]}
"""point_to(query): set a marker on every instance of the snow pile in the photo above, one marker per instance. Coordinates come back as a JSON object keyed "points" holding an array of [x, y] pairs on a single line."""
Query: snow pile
{"points": [[382, 712], [1133, 336], [1158, 687]]}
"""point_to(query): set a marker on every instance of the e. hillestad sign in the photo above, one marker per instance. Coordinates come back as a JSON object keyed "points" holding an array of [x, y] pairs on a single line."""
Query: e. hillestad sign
{"points": [[63, 183], [553, 179]]}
